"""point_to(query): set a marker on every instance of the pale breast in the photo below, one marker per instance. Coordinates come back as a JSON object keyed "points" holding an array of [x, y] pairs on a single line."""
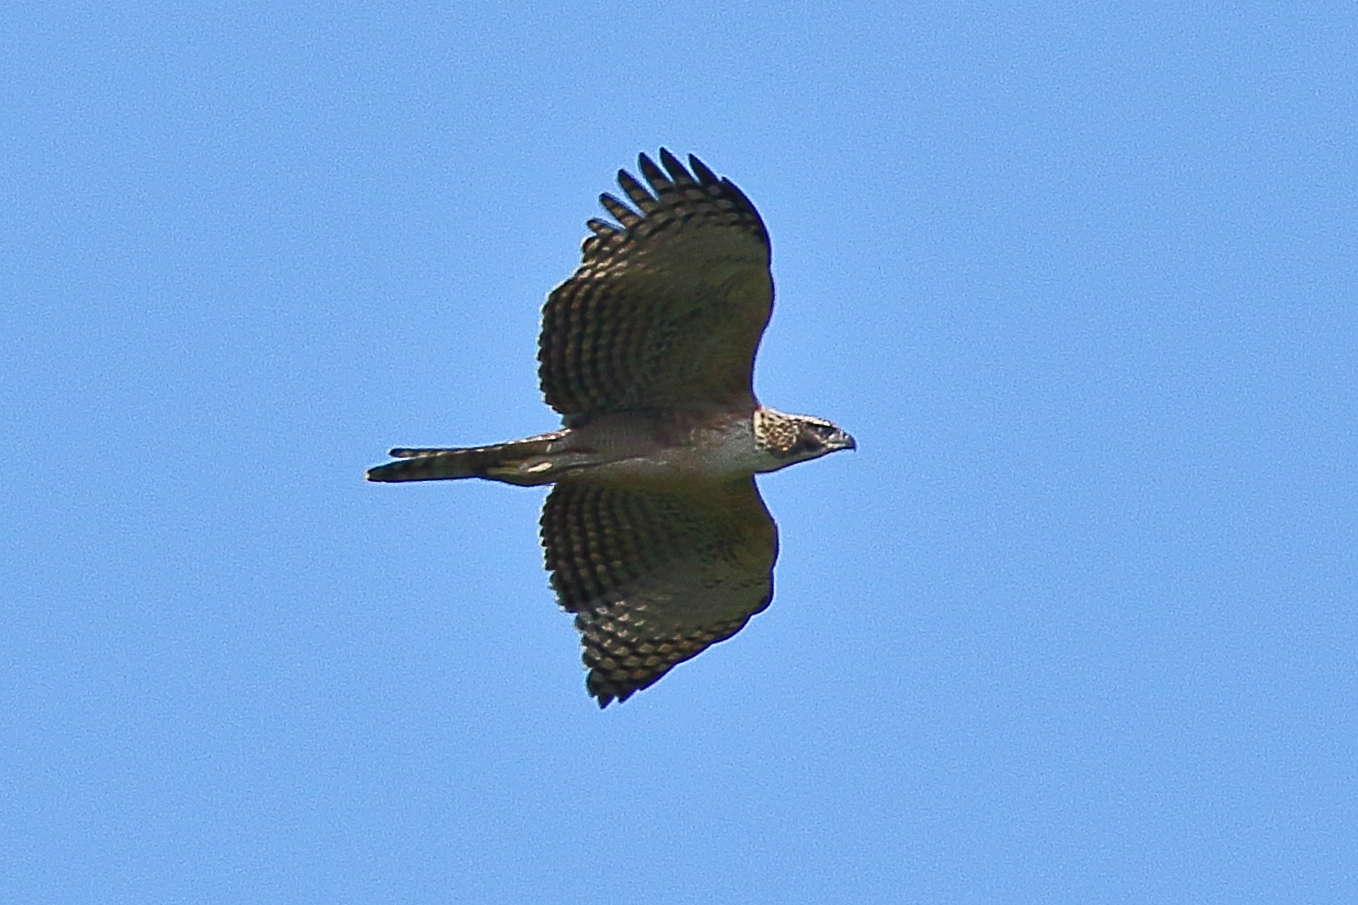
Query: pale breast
{"points": [[656, 447]]}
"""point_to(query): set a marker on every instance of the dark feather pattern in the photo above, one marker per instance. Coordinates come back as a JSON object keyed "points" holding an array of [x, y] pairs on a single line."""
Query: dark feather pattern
{"points": [[656, 575], [668, 305], [654, 532]]}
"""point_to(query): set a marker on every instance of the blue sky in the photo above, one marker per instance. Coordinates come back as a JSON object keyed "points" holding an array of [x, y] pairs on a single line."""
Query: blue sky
{"points": [[1074, 624]]}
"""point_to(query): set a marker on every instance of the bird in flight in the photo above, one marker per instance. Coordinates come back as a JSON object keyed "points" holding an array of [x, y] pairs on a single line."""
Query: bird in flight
{"points": [[655, 534]]}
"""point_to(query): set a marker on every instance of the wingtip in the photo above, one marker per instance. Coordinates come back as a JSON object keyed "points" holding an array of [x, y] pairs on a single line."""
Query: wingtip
{"points": [[598, 690], [702, 171], [605, 692], [657, 177]]}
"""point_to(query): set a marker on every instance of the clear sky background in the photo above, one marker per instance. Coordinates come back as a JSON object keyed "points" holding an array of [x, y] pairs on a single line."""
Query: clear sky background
{"points": [[1075, 624]]}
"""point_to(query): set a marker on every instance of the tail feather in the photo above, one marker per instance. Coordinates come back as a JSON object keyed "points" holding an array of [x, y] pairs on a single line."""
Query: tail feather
{"points": [[431, 465], [402, 453], [470, 462]]}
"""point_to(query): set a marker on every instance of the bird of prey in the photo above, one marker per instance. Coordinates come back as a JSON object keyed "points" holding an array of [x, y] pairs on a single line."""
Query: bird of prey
{"points": [[654, 531]]}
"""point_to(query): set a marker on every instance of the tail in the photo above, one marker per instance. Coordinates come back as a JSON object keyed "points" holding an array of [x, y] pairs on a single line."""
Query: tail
{"points": [[519, 462]]}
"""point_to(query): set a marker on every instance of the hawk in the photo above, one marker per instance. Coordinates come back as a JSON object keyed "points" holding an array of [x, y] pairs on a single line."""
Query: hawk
{"points": [[655, 534]]}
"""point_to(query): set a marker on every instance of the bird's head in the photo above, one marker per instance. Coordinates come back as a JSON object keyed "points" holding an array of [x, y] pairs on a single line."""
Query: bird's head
{"points": [[796, 438]]}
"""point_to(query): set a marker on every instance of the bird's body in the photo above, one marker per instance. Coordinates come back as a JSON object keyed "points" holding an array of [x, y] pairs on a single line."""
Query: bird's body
{"points": [[617, 447], [655, 533]]}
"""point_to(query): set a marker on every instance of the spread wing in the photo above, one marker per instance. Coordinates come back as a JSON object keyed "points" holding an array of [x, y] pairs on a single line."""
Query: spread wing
{"points": [[656, 575], [669, 303]]}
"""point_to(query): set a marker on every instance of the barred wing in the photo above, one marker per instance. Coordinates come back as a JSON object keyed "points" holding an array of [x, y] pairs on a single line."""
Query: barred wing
{"points": [[656, 575], [669, 303]]}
